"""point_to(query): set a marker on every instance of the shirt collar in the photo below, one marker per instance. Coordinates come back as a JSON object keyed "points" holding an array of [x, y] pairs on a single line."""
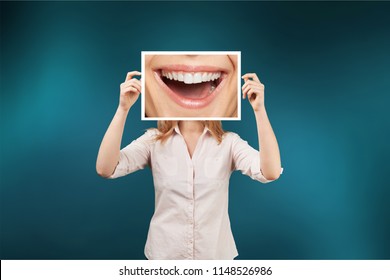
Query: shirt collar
{"points": [[177, 130]]}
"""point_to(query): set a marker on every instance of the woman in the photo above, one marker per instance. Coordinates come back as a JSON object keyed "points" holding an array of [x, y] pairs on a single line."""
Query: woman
{"points": [[191, 163]]}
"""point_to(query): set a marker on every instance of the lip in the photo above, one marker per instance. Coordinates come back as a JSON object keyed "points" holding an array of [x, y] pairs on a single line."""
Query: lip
{"points": [[183, 101]]}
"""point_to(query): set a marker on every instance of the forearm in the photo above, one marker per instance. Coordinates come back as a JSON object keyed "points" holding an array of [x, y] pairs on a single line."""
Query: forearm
{"points": [[269, 150], [109, 150]]}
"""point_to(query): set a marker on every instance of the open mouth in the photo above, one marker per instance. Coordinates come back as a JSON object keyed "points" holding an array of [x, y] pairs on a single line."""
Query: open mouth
{"points": [[191, 89]]}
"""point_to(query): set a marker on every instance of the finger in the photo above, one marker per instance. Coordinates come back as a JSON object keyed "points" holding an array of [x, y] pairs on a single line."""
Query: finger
{"points": [[137, 88], [251, 94], [260, 88], [244, 86], [131, 74], [244, 89], [257, 88], [251, 76], [249, 83], [245, 92], [252, 82], [130, 89], [256, 91], [136, 83], [133, 82]]}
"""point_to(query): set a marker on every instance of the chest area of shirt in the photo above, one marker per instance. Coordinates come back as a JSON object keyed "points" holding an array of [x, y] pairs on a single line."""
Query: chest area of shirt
{"points": [[204, 159]]}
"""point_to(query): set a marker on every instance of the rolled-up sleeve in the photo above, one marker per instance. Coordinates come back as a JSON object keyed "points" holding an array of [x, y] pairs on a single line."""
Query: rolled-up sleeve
{"points": [[134, 156], [247, 160]]}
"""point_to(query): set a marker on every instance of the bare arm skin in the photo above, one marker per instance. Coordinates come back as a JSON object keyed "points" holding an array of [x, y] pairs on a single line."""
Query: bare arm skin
{"points": [[109, 151], [270, 164]]}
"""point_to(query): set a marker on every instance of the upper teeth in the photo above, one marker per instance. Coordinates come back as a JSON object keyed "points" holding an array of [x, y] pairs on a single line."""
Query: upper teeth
{"points": [[191, 77]]}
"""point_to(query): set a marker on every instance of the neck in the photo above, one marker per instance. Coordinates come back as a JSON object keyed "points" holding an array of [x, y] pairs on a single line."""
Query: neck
{"points": [[191, 126]]}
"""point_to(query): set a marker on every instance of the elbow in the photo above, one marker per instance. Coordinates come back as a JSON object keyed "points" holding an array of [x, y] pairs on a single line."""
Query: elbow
{"points": [[102, 172], [272, 177]]}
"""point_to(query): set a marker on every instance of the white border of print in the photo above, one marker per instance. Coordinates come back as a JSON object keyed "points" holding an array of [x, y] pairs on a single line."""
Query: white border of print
{"points": [[237, 53]]}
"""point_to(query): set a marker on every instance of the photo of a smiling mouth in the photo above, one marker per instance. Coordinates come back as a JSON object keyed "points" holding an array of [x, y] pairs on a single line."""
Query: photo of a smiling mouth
{"points": [[189, 86]]}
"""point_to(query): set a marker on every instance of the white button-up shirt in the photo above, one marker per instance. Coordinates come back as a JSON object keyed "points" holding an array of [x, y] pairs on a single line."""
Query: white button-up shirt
{"points": [[191, 194]]}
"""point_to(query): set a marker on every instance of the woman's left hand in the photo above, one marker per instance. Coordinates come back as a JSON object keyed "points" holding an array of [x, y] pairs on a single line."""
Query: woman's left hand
{"points": [[254, 90]]}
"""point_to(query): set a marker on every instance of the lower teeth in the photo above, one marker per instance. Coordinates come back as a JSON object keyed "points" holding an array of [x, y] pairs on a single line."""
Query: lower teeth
{"points": [[212, 87]]}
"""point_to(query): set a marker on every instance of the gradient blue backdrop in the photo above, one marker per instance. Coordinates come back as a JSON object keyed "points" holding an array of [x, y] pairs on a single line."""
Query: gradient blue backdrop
{"points": [[326, 67]]}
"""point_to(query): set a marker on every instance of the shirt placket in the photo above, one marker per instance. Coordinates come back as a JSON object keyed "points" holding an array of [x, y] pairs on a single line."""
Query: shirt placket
{"points": [[191, 197], [190, 212]]}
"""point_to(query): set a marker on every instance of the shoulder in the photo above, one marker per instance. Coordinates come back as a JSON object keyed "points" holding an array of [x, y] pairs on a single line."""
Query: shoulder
{"points": [[234, 140], [229, 136], [151, 132], [230, 139], [148, 137]]}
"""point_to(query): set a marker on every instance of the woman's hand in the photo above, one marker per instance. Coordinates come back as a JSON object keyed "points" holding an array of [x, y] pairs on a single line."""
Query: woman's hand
{"points": [[254, 90], [130, 89]]}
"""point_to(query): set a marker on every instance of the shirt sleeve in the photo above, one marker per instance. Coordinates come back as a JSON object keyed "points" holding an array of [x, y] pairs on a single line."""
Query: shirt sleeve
{"points": [[134, 156], [247, 159]]}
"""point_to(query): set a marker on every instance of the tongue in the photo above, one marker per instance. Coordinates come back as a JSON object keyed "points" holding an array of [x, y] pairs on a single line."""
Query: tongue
{"points": [[193, 91]]}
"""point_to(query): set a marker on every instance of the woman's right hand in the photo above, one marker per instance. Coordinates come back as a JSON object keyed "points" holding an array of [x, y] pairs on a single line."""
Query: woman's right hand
{"points": [[130, 89]]}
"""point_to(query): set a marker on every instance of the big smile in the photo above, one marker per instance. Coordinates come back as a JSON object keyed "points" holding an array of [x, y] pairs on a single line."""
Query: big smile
{"points": [[191, 88]]}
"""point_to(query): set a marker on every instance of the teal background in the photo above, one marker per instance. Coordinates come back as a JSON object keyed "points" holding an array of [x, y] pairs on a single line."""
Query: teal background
{"points": [[326, 68]]}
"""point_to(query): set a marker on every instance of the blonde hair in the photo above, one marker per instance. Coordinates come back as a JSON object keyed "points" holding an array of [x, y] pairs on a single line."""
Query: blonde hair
{"points": [[166, 129]]}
